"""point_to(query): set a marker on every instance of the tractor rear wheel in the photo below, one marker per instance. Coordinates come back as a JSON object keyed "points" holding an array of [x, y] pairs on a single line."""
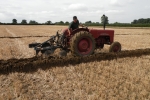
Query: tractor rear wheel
{"points": [[115, 47], [82, 44]]}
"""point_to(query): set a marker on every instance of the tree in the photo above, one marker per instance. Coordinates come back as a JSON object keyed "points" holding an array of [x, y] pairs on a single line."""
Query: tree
{"points": [[67, 23], [116, 23], [104, 20], [148, 20], [141, 20], [134, 21], [14, 21], [88, 22], [33, 22], [61, 22], [24, 21], [48, 22]]}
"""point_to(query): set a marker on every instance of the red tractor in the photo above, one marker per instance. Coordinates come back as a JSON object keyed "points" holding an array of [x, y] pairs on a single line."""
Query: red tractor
{"points": [[81, 42]]}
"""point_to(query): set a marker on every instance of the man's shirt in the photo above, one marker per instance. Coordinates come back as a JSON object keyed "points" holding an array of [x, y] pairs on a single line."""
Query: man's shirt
{"points": [[74, 25]]}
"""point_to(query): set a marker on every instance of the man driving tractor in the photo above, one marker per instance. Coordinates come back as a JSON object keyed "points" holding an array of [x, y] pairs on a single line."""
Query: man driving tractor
{"points": [[74, 25]]}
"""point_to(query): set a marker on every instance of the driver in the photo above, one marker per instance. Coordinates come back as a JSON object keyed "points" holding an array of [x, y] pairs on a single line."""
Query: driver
{"points": [[74, 25]]}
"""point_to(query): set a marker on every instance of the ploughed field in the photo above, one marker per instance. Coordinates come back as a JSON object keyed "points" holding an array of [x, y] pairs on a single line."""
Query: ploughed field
{"points": [[14, 40], [101, 76]]}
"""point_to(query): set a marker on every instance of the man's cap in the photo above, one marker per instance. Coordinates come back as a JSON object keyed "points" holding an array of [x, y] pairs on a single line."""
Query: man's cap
{"points": [[74, 17]]}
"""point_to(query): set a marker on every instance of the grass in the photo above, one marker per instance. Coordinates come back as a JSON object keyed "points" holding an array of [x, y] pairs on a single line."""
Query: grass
{"points": [[124, 78]]}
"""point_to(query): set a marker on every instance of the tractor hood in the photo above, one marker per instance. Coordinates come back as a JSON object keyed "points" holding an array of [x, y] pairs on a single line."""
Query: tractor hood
{"points": [[96, 33], [102, 33]]}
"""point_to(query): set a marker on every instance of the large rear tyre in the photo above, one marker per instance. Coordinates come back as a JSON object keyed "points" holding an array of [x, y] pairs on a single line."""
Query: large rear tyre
{"points": [[115, 47], [82, 44]]}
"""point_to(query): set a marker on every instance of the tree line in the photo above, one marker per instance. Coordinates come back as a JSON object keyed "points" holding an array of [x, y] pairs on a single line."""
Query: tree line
{"points": [[33, 22], [135, 23], [24, 22], [141, 21]]}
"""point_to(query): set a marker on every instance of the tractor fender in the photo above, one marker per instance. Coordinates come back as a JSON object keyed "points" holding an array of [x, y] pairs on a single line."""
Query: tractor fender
{"points": [[78, 30], [65, 32]]}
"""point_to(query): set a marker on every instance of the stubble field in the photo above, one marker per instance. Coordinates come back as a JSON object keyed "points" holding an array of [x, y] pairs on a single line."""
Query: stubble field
{"points": [[124, 78]]}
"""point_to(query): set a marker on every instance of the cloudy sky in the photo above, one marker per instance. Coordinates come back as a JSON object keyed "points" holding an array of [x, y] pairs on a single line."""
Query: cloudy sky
{"points": [[123, 11]]}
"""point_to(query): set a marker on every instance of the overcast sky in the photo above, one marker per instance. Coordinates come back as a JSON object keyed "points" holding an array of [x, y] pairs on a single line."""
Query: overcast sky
{"points": [[123, 11]]}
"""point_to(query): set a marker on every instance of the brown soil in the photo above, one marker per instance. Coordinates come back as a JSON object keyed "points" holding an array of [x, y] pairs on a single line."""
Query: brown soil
{"points": [[34, 63]]}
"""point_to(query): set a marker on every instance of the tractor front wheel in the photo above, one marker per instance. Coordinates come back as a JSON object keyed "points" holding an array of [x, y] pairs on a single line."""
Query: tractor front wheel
{"points": [[82, 44], [115, 47]]}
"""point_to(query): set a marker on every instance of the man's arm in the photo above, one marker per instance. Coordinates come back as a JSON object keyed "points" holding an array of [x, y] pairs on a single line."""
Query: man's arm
{"points": [[70, 29]]}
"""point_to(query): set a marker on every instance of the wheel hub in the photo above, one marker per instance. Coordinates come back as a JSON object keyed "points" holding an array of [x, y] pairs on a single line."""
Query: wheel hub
{"points": [[83, 45], [116, 48]]}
